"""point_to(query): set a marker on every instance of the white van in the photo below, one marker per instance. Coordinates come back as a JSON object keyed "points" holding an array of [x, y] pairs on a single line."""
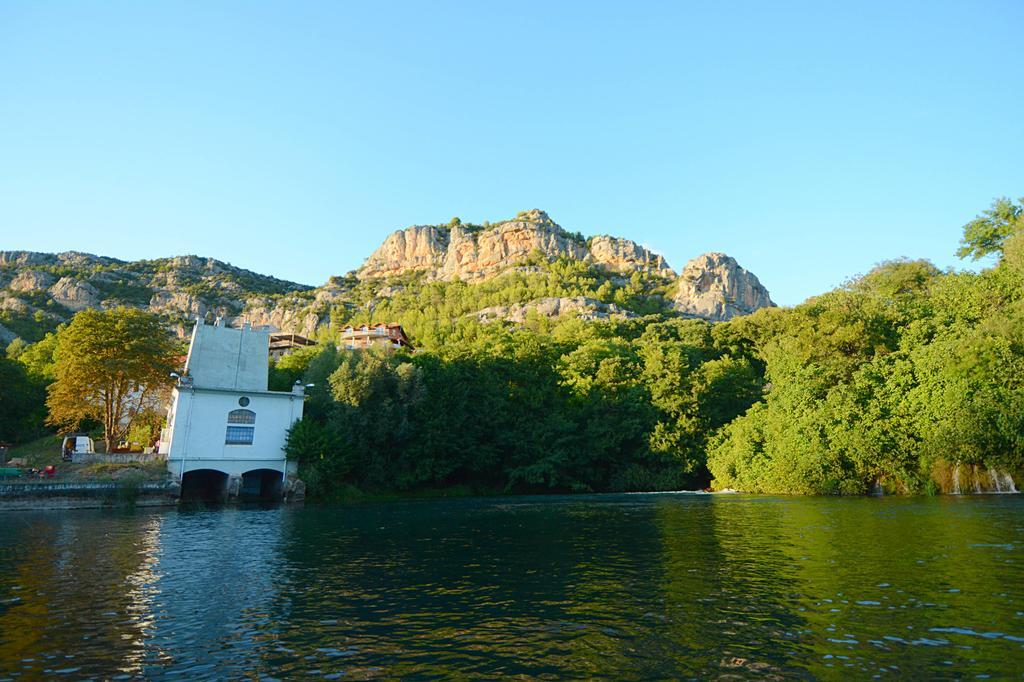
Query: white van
{"points": [[77, 445]]}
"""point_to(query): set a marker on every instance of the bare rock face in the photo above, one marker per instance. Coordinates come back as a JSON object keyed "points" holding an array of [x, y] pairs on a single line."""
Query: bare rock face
{"points": [[420, 247], [78, 259], [715, 287], [178, 288], [75, 295], [291, 320], [14, 304], [178, 304], [472, 254], [25, 258], [30, 281], [712, 286], [623, 255], [478, 256], [574, 306]]}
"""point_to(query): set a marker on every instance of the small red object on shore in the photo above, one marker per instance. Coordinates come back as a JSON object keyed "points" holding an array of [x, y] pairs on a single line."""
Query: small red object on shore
{"points": [[50, 471]]}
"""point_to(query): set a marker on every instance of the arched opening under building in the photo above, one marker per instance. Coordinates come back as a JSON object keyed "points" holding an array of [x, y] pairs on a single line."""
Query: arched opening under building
{"points": [[261, 484], [204, 485]]}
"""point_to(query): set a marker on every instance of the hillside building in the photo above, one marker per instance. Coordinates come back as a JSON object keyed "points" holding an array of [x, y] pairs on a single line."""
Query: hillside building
{"points": [[225, 431], [389, 336], [282, 344]]}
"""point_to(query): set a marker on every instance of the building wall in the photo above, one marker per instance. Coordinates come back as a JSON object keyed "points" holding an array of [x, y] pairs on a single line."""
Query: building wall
{"points": [[368, 342], [225, 368], [222, 357], [198, 426]]}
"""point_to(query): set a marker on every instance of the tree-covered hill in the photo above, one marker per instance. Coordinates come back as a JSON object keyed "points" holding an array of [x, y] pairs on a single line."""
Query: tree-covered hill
{"points": [[559, 373], [40, 291], [503, 269], [906, 380]]}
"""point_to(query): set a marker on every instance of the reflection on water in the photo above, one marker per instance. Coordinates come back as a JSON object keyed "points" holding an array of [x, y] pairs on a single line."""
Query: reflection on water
{"points": [[623, 587]]}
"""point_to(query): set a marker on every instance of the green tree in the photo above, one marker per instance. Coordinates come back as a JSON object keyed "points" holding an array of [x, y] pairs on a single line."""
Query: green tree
{"points": [[110, 367], [38, 359], [16, 348], [987, 233], [374, 392], [21, 401]]}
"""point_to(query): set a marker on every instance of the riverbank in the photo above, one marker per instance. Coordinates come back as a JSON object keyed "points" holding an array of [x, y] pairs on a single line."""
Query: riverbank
{"points": [[346, 494], [55, 494], [82, 485]]}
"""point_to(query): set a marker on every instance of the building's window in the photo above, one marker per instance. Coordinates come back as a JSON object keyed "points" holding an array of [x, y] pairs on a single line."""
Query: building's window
{"points": [[241, 417], [244, 401], [239, 435]]}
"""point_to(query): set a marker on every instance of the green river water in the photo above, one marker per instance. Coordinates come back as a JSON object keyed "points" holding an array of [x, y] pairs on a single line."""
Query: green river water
{"points": [[604, 586]]}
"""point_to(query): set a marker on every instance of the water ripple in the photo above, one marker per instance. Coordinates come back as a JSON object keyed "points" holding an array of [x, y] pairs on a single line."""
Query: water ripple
{"points": [[615, 587]]}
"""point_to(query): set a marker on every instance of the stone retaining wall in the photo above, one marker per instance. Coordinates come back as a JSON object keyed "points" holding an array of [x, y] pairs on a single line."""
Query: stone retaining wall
{"points": [[86, 494], [118, 458]]}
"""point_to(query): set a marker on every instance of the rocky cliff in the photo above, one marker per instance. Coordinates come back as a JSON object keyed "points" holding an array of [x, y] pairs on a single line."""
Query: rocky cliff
{"points": [[577, 306], [474, 253], [38, 291], [715, 287]]}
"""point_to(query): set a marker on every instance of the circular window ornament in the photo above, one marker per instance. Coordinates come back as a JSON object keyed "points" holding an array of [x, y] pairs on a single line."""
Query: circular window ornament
{"points": [[243, 401]]}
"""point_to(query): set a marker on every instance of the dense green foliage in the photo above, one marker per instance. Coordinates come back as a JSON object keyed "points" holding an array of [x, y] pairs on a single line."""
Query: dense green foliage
{"points": [[21, 403], [892, 380], [25, 372], [987, 234], [580, 406], [895, 380], [439, 313], [29, 326]]}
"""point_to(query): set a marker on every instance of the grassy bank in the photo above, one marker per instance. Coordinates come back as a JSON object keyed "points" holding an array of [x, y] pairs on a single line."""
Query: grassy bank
{"points": [[45, 452]]}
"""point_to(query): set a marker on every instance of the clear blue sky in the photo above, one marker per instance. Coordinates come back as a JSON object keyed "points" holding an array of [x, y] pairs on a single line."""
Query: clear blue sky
{"points": [[808, 139]]}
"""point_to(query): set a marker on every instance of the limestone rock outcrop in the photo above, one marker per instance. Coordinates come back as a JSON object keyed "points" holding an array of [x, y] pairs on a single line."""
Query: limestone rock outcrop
{"points": [[182, 304], [26, 258], [14, 304], [420, 247], [573, 306], [46, 289], [293, 319], [75, 295], [67, 258], [715, 287], [476, 253], [29, 281], [179, 288], [477, 256], [622, 255]]}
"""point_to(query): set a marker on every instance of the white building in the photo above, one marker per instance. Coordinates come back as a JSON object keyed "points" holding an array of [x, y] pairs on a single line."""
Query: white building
{"points": [[225, 431]]}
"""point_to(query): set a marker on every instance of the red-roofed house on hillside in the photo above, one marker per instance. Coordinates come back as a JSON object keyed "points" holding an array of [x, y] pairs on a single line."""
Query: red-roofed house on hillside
{"points": [[390, 336]]}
